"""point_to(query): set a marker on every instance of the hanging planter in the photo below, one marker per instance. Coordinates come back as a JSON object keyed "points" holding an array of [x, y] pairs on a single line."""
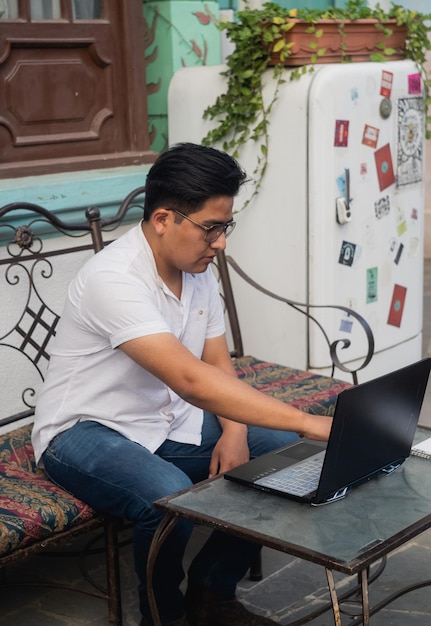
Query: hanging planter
{"points": [[335, 41]]}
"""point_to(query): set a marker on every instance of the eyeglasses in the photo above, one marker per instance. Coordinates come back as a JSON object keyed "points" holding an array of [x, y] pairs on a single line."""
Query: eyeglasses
{"points": [[212, 232]]}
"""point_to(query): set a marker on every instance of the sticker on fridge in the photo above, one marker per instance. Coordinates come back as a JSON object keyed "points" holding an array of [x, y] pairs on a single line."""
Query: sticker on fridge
{"points": [[414, 246], [386, 84], [401, 222], [399, 253], [347, 253], [370, 136], [385, 170], [415, 83], [346, 325], [372, 273], [410, 141], [397, 305], [341, 138], [382, 207]]}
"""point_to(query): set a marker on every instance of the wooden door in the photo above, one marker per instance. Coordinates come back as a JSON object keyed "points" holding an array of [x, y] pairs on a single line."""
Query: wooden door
{"points": [[72, 86]]}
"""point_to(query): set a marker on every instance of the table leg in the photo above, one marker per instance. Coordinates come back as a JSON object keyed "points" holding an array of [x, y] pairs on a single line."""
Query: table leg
{"points": [[163, 530], [334, 597], [365, 597]]}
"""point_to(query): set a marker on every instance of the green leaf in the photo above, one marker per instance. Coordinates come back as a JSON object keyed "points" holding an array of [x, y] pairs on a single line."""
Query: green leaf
{"points": [[279, 45]]}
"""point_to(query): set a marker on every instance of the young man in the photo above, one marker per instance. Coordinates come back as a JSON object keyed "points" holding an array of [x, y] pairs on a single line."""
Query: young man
{"points": [[141, 399]]}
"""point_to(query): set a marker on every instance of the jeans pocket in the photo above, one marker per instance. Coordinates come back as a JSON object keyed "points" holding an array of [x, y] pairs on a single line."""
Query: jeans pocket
{"points": [[51, 447]]}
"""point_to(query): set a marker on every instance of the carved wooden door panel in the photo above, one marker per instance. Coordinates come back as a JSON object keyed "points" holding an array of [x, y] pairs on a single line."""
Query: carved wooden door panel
{"points": [[72, 85]]}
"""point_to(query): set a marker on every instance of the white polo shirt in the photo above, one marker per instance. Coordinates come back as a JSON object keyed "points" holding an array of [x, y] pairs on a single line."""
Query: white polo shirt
{"points": [[118, 296]]}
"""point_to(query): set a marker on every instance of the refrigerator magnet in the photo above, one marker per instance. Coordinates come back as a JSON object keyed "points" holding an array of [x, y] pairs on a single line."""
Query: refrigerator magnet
{"points": [[385, 170], [341, 138], [397, 305]]}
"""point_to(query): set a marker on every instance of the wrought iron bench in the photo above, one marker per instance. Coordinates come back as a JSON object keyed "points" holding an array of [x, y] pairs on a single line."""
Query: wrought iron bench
{"points": [[34, 513], [35, 269]]}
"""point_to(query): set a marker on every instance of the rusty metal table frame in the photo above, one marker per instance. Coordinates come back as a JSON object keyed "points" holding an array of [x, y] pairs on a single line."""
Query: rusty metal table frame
{"points": [[348, 536]]}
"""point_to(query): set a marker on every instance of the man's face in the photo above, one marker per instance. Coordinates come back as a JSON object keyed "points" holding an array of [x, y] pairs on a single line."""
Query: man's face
{"points": [[188, 250]]}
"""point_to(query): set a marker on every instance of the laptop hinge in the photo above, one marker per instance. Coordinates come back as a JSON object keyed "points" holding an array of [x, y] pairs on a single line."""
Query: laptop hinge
{"points": [[338, 495], [392, 467]]}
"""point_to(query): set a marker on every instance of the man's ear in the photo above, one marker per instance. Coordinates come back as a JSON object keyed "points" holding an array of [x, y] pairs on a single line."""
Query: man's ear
{"points": [[159, 220]]}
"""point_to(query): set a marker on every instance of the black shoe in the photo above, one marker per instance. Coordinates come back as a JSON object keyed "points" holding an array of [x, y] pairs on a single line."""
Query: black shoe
{"points": [[204, 608]]}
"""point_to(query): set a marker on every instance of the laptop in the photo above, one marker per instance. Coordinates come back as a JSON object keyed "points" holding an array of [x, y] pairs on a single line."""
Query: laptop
{"points": [[372, 433]]}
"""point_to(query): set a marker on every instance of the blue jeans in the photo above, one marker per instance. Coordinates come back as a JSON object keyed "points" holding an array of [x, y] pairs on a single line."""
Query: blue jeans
{"points": [[117, 476]]}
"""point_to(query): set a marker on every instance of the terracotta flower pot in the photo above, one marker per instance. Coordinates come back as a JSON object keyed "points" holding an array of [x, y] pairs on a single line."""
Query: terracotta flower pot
{"points": [[341, 40]]}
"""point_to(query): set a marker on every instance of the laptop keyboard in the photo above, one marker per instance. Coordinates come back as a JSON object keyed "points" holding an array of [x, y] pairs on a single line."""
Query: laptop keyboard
{"points": [[299, 479]]}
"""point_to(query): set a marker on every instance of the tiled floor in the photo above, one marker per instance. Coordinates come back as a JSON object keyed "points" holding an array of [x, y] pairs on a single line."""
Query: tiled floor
{"points": [[289, 587]]}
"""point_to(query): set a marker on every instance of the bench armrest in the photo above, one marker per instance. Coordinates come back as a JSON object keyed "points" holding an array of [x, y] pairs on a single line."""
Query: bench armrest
{"points": [[333, 346]]}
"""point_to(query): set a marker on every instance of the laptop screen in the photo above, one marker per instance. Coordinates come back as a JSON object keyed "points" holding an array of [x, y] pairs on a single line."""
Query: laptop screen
{"points": [[374, 427]]}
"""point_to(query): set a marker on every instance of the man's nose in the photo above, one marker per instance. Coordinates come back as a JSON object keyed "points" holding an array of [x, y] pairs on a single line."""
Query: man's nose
{"points": [[219, 243]]}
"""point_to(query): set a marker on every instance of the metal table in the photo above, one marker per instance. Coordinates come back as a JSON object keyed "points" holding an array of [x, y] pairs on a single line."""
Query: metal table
{"points": [[347, 536]]}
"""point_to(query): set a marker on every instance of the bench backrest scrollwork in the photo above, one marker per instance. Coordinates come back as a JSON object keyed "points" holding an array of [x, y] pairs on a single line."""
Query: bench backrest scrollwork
{"points": [[39, 255]]}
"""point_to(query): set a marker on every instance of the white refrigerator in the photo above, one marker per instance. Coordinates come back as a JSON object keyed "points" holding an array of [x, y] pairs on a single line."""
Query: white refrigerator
{"points": [[339, 219]]}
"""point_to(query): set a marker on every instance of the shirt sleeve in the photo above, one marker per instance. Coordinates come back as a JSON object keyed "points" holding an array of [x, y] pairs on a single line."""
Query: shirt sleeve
{"points": [[216, 321]]}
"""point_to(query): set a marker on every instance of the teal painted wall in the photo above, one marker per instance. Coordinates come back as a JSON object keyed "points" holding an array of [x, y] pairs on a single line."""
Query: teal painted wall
{"points": [[69, 195], [181, 33]]}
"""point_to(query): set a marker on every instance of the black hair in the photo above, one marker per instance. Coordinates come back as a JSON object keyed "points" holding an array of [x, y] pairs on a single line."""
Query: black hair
{"points": [[187, 175]]}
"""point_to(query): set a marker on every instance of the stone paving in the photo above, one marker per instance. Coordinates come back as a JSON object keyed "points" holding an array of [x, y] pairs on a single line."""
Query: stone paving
{"points": [[290, 588]]}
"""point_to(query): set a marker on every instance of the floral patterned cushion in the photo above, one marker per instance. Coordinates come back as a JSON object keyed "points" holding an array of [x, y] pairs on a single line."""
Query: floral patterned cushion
{"points": [[32, 508], [304, 390]]}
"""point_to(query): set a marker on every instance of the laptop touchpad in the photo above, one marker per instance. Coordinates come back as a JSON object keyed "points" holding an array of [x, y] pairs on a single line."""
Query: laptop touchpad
{"points": [[300, 451]]}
